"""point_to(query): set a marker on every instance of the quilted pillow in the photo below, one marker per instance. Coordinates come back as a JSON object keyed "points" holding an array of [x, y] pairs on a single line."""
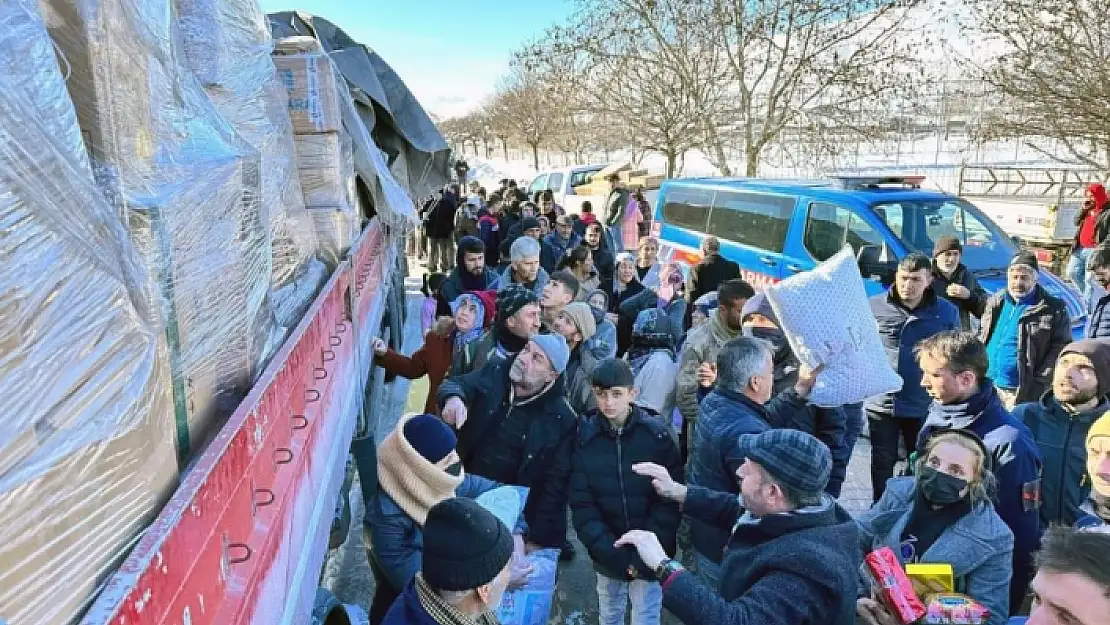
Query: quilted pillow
{"points": [[827, 319]]}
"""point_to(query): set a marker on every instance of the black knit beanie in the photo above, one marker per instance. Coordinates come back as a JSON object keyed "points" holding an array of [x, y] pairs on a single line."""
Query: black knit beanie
{"points": [[947, 243], [512, 298], [1026, 258], [465, 546]]}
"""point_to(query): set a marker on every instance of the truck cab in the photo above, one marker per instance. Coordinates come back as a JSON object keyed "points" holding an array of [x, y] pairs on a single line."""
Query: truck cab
{"points": [[777, 228], [562, 181]]}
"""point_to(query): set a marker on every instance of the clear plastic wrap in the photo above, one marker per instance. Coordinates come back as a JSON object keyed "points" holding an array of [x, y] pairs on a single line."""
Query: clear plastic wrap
{"points": [[227, 46], [87, 450], [188, 188], [324, 148]]}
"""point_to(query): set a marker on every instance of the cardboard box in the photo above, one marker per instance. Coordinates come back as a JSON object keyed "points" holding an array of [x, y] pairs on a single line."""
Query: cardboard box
{"points": [[72, 527], [336, 229], [114, 78], [612, 168], [322, 169], [311, 82]]}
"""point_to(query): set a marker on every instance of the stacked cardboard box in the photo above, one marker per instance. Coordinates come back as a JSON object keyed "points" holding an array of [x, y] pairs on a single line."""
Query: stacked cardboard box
{"points": [[87, 455], [189, 189], [634, 178], [325, 156]]}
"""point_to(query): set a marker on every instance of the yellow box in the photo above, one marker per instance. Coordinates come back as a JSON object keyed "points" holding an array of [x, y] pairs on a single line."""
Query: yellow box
{"points": [[934, 577]]}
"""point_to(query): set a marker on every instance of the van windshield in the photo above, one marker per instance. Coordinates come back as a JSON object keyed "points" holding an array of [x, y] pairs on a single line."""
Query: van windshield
{"points": [[919, 223]]}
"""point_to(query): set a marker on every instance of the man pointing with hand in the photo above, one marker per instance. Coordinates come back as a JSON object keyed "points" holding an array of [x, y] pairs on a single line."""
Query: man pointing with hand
{"points": [[793, 555]]}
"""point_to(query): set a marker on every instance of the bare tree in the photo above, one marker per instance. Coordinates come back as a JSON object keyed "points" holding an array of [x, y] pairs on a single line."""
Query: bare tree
{"points": [[1050, 76], [527, 107]]}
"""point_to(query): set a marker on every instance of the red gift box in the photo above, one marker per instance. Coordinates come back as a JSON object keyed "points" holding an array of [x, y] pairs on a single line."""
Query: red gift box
{"points": [[894, 586]]}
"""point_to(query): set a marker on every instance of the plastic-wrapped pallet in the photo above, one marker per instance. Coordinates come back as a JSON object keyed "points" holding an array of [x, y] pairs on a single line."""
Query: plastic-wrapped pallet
{"points": [[189, 189], [846, 343], [228, 47], [86, 455], [325, 154]]}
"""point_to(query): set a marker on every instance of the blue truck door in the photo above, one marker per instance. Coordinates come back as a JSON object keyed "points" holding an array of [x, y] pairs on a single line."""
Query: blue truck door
{"points": [[821, 230]]}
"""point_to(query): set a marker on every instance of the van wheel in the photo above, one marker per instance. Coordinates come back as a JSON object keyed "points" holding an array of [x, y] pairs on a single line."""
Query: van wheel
{"points": [[329, 611]]}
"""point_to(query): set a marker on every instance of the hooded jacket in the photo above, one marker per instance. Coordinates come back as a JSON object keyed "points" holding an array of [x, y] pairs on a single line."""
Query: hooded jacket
{"points": [[901, 329], [1061, 437], [1043, 330], [456, 283], [979, 546], [608, 499], [551, 427], [1101, 223], [580, 366], [603, 344], [970, 307], [797, 568], [1017, 468]]}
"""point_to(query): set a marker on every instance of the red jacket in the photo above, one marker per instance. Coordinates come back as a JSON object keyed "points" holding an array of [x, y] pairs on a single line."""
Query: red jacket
{"points": [[432, 359]]}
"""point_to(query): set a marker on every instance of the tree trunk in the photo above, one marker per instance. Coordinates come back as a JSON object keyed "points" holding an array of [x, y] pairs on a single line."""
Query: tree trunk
{"points": [[671, 159], [485, 141], [752, 165], [505, 148], [535, 156]]}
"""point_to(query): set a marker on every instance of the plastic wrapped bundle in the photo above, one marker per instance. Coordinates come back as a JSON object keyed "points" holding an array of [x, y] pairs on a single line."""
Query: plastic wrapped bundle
{"points": [[189, 189], [86, 458], [227, 46]]}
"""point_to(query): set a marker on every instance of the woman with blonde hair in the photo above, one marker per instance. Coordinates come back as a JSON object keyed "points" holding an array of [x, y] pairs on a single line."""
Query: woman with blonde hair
{"points": [[944, 515]]}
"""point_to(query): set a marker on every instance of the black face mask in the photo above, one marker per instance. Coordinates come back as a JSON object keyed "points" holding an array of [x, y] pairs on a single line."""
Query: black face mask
{"points": [[454, 469], [939, 488]]}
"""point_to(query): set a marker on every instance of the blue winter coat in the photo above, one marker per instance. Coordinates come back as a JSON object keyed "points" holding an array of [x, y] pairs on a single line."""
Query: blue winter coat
{"points": [[1062, 439], [397, 540], [781, 569], [901, 330], [1098, 322], [1017, 469], [725, 416], [979, 546]]}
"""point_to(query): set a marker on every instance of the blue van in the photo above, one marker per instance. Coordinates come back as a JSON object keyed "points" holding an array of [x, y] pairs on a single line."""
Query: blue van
{"points": [[777, 228]]}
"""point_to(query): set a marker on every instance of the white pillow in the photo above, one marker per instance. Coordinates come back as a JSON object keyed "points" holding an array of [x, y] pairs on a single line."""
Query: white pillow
{"points": [[827, 320]]}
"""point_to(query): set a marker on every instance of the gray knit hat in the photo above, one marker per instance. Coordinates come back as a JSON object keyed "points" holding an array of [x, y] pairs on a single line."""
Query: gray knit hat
{"points": [[583, 318], [792, 457]]}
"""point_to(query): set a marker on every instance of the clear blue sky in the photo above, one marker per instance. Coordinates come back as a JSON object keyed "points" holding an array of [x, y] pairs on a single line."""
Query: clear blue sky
{"points": [[450, 53]]}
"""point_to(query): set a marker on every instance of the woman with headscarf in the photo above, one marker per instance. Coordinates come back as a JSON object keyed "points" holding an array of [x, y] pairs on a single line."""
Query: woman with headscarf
{"points": [[451, 340], [944, 515], [418, 467], [624, 284], [603, 344], [652, 357]]}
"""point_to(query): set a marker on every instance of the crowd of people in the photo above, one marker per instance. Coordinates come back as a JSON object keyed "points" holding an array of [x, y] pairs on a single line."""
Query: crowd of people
{"points": [[663, 408]]}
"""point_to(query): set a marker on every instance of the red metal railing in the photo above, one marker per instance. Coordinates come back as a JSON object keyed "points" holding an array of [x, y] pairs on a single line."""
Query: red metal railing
{"points": [[244, 535]]}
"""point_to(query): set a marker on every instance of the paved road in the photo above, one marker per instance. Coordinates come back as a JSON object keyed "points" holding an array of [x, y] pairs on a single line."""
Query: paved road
{"points": [[348, 576]]}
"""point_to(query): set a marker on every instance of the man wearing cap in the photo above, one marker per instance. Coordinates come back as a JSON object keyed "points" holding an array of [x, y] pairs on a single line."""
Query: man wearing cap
{"points": [[711, 271], [1024, 329], [517, 320], [524, 267], [561, 289], [953, 282], [576, 324], [555, 245], [1060, 421], [465, 573], [516, 427], [1094, 514], [793, 553], [470, 272]]}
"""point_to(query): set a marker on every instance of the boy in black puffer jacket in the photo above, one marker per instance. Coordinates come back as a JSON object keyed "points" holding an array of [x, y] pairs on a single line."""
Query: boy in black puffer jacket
{"points": [[608, 499]]}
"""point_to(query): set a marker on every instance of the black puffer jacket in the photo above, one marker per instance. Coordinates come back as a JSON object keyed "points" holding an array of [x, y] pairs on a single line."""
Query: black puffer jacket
{"points": [[551, 426], [607, 499], [970, 307], [441, 220], [1043, 331]]}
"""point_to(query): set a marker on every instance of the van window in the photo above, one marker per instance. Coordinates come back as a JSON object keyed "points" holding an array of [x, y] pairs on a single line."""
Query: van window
{"points": [[538, 184], [580, 178], [924, 221], [752, 219], [829, 227], [687, 207], [555, 182]]}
